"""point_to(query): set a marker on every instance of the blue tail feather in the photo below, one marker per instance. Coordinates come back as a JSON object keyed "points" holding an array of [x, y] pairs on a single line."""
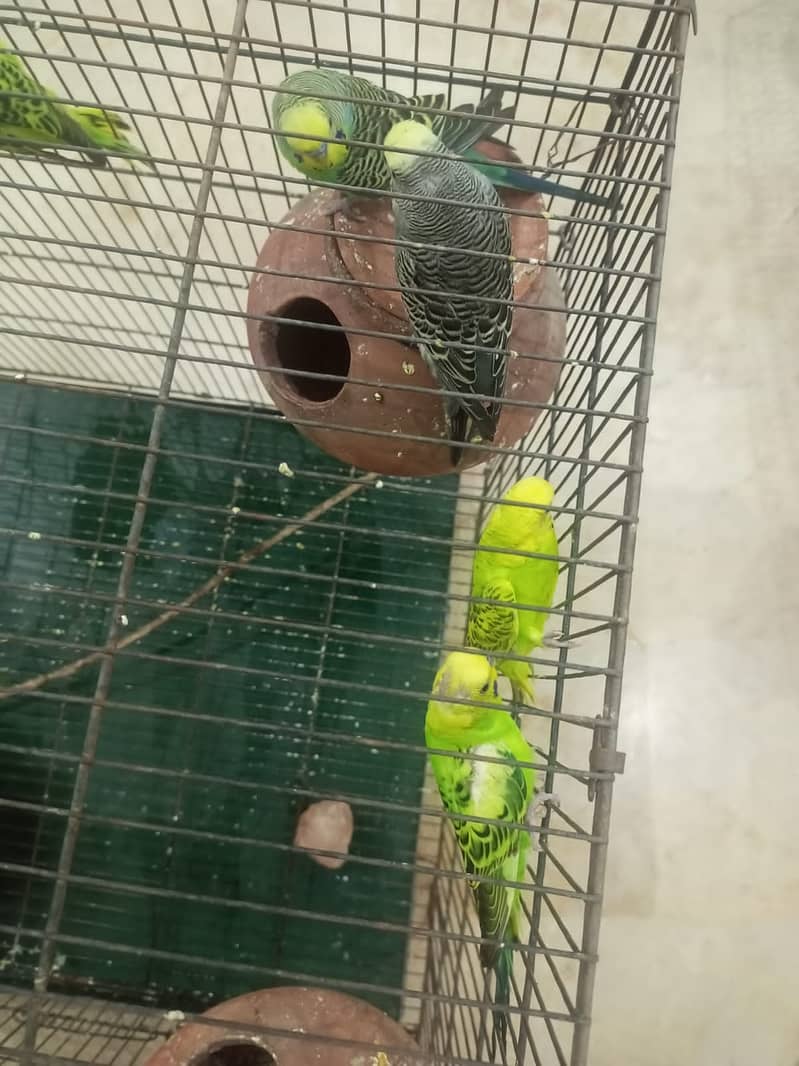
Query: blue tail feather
{"points": [[515, 178]]}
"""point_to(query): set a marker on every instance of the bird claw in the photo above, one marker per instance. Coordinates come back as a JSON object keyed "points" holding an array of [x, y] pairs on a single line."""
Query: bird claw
{"points": [[540, 802], [557, 640]]}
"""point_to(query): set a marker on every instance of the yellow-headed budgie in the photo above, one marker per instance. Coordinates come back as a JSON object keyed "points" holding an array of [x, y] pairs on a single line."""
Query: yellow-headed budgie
{"points": [[502, 791], [517, 581]]}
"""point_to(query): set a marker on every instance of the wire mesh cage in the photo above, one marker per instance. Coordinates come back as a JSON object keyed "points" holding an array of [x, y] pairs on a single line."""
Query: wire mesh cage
{"points": [[210, 624]]}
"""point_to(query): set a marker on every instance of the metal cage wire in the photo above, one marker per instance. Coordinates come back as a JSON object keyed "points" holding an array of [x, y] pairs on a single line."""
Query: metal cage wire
{"points": [[124, 295]]}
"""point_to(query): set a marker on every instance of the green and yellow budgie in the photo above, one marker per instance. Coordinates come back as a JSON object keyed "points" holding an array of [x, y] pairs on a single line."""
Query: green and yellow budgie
{"points": [[305, 109], [33, 122], [515, 579], [496, 790]]}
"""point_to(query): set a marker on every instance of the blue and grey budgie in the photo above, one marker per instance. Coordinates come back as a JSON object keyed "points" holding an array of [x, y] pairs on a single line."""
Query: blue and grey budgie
{"points": [[306, 109], [32, 121], [464, 309]]}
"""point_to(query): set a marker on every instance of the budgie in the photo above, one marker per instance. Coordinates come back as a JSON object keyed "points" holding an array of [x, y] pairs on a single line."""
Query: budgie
{"points": [[37, 124], [515, 579], [463, 311], [501, 791], [303, 115]]}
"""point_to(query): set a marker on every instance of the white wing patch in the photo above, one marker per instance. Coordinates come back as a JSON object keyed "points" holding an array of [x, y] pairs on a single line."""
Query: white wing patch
{"points": [[484, 775]]}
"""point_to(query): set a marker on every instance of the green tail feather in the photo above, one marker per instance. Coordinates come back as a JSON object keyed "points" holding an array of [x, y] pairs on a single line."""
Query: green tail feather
{"points": [[502, 969], [107, 130]]}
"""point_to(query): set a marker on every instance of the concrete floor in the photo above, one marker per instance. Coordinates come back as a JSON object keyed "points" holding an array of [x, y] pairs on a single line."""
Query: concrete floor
{"points": [[700, 935]]}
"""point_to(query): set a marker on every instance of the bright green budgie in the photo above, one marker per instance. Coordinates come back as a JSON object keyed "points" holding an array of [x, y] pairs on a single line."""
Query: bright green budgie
{"points": [[303, 114], [37, 124], [497, 790], [515, 579]]}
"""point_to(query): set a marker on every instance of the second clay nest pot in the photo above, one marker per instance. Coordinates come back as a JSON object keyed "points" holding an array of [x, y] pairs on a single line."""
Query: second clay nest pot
{"points": [[382, 426], [291, 1027]]}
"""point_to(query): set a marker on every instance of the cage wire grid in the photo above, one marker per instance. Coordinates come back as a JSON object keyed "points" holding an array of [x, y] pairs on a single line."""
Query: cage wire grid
{"points": [[179, 681]]}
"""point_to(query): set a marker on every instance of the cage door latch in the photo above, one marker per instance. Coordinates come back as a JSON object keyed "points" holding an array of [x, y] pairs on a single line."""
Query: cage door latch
{"points": [[603, 760]]}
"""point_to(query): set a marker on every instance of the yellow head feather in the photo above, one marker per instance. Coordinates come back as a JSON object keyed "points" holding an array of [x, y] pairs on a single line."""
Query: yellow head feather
{"points": [[305, 122], [463, 676], [531, 490], [415, 136], [514, 526]]}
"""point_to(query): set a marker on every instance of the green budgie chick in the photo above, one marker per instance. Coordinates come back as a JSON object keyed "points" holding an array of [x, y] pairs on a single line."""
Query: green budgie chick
{"points": [[304, 112], [515, 579], [501, 791], [469, 302], [38, 124]]}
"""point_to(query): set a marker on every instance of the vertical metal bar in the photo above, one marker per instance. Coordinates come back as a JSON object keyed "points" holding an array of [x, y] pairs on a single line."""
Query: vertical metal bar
{"points": [[91, 738], [618, 639]]}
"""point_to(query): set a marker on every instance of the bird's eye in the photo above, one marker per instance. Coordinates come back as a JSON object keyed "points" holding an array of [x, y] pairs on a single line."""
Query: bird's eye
{"points": [[340, 135], [496, 688], [484, 689], [298, 157]]}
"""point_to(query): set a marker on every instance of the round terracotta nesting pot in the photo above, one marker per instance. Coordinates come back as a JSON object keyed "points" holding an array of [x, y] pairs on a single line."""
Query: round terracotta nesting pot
{"points": [[356, 408], [323, 1021]]}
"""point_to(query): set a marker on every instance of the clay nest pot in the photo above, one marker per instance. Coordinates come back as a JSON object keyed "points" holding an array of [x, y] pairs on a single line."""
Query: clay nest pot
{"points": [[298, 1027], [343, 389]]}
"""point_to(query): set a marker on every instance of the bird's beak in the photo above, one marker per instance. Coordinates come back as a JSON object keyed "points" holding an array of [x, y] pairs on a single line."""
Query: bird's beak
{"points": [[309, 149]]}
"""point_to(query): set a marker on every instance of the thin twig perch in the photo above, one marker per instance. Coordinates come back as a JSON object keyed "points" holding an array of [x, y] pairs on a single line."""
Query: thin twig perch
{"points": [[213, 582]]}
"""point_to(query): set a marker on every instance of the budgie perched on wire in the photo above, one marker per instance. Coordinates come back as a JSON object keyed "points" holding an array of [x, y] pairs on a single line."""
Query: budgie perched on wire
{"points": [[496, 790], [305, 110], [469, 304], [35, 123], [515, 579]]}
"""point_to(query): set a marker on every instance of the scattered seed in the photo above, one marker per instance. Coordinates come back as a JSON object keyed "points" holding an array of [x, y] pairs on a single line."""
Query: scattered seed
{"points": [[285, 470], [408, 368]]}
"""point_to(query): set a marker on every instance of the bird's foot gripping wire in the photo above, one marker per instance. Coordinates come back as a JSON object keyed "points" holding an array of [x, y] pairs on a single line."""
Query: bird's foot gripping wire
{"points": [[540, 802], [558, 640]]}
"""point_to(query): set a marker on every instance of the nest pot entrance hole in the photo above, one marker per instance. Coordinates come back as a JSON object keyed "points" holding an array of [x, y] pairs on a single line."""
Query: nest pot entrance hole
{"points": [[302, 346], [235, 1053]]}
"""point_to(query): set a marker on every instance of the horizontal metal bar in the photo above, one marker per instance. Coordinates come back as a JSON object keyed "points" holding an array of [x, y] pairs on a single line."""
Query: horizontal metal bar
{"points": [[486, 449], [401, 487], [46, 537], [419, 932], [563, 266], [176, 829]]}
